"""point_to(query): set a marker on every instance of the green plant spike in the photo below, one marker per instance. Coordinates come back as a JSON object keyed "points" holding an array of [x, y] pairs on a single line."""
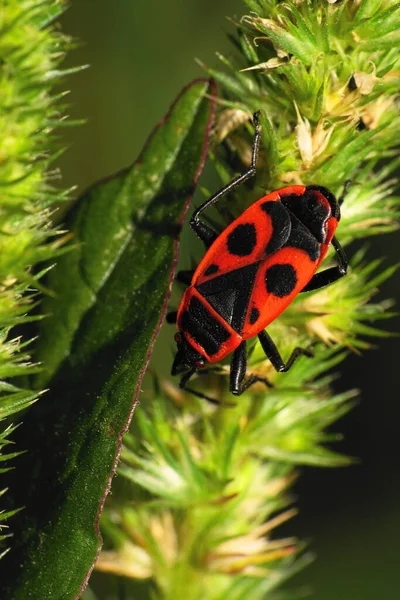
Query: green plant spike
{"points": [[30, 50]]}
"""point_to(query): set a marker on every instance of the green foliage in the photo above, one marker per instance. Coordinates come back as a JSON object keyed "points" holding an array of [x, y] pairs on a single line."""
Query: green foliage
{"points": [[204, 487], [30, 52], [134, 212], [301, 70], [107, 298]]}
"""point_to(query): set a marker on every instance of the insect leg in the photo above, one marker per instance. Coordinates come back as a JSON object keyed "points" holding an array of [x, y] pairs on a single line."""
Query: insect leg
{"points": [[238, 372], [329, 275], [274, 356], [171, 317], [185, 379], [185, 276], [183, 386], [206, 233], [238, 369]]}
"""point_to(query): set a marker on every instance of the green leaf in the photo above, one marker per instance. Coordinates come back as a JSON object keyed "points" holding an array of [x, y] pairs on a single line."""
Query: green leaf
{"points": [[114, 220], [303, 49], [110, 297]]}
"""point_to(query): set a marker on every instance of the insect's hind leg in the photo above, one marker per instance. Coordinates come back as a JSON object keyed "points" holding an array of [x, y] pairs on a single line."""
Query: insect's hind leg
{"points": [[237, 385], [204, 232], [272, 353]]}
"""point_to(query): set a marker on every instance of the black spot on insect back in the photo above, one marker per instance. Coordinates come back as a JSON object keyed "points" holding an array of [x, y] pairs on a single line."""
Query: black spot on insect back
{"points": [[300, 237], [242, 240], [280, 280], [229, 294], [280, 223], [254, 314], [211, 270]]}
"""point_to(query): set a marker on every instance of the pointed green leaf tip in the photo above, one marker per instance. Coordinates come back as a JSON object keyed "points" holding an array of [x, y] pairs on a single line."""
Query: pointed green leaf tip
{"points": [[110, 297]]}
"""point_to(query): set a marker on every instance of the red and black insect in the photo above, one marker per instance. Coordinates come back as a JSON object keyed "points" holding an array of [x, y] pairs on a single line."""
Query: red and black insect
{"points": [[251, 272]]}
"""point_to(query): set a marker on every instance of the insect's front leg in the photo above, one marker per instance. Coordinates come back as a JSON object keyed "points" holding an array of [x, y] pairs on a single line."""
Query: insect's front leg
{"points": [[237, 385], [332, 274], [183, 386], [206, 233]]}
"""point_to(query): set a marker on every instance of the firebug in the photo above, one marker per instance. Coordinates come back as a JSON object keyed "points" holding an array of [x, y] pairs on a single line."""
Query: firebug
{"points": [[251, 272]]}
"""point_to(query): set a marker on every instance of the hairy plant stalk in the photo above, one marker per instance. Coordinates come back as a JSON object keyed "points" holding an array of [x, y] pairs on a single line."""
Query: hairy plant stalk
{"points": [[31, 51], [203, 488]]}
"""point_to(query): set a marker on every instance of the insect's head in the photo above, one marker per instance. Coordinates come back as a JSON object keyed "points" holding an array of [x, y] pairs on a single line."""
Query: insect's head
{"points": [[315, 199], [313, 208], [186, 357]]}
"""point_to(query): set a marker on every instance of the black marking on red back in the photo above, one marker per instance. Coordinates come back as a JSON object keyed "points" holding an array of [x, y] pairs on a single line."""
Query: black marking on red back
{"points": [[297, 221], [254, 315], [211, 270], [242, 240], [203, 327], [280, 222], [280, 280], [229, 294], [309, 210], [300, 237]]}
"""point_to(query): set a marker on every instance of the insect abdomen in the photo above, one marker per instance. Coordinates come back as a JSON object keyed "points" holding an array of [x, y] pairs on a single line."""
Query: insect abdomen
{"points": [[204, 328]]}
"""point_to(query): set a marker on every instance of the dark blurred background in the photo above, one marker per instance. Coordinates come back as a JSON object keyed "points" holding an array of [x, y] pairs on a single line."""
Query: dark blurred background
{"points": [[140, 55]]}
